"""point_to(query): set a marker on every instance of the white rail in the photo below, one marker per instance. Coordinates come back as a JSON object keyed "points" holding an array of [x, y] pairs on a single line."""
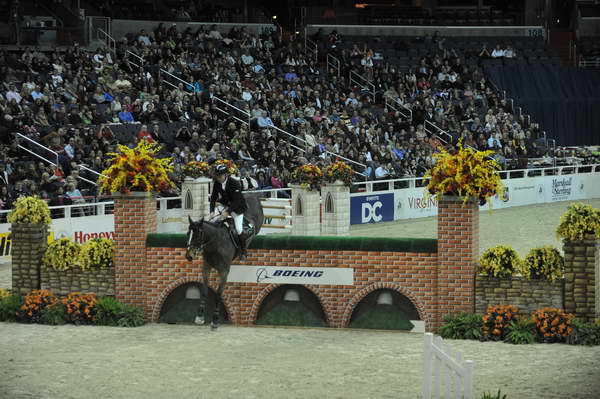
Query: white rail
{"points": [[400, 108], [334, 63], [39, 145], [108, 40], [448, 368], [362, 82]]}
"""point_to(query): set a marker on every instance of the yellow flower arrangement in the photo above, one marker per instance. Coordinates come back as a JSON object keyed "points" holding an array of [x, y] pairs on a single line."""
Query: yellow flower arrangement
{"points": [[579, 221], [500, 261], [61, 254], [97, 252], [468, 174], [546, 262], [339, 170], [231, 166], [30, 210], [196, 169], [4, 293], [137, 169], [308, 176]]}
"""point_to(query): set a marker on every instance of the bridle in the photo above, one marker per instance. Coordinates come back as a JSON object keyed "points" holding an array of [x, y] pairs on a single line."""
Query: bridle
{"points": [[203, 243]]}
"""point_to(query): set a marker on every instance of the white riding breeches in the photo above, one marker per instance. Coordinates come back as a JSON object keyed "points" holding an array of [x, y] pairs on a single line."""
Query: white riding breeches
{"points": [[238, 220]]}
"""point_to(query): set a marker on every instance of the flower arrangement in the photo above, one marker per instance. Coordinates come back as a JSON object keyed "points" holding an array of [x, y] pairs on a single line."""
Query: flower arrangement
{"points": [[137, 169], [97, 252], [80, 307], [231, 166], [339, 171], [467, 174], [4, 293], [34, 303], [496, 321], [546, 262], [308, 176], [552, 324], [500, 261], [61, 254], [579, 221], [196, 169], [30, 210]]}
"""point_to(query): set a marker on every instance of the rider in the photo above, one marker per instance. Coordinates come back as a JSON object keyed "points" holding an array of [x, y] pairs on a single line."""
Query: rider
{"points": [[229, 192]]}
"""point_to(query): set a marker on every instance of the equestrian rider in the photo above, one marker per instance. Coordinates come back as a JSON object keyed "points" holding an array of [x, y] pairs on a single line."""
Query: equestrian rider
{"points": [[228, 191]]}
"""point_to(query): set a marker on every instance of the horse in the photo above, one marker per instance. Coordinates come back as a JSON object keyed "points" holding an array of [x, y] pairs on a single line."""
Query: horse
{"points": [[218, 249]]}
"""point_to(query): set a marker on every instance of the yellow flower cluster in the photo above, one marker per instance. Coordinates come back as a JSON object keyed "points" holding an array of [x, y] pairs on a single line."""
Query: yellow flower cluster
{"points": [[231, 167], [579, 221], [308, 176], [30, 210], [64, 254], [500, 261], [4, 293], [546, 262], [196, 169], [468, 173], [339, 170], [137, 169], [97, 252]]}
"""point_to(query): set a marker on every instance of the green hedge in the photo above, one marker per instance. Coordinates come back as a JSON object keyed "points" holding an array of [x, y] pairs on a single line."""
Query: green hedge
{"points": [[324, 243]]}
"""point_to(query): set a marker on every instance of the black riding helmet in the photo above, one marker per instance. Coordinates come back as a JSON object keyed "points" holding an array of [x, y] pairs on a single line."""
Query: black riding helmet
{"points": [[221, 170]]}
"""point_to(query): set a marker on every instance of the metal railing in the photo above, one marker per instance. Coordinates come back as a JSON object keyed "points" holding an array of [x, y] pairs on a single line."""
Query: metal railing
{"points": [[140, 60], [334, 63], [108, 40], [245, 114], [434, 130], [19, 135], [402, 109], [311, 47], [589, 63], [362, 82]]}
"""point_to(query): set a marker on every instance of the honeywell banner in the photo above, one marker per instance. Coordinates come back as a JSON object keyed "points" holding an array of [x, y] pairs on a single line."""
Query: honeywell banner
{"points": [[291, 275]]}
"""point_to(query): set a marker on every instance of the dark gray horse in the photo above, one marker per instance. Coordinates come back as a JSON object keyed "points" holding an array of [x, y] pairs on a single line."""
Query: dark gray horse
{"points": [[218, 251]]}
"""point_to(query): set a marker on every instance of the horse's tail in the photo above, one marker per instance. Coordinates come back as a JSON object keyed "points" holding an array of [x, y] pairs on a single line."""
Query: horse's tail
{"points": [[255, 211]]}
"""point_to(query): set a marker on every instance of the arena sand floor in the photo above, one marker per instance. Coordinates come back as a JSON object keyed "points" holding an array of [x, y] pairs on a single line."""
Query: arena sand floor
{"points": [[168, 361]]}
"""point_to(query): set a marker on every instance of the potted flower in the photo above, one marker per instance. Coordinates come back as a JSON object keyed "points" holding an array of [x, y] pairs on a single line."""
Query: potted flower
{"points": [[468, 173], [196, 169], [308, 176], [544, 262], [579, 222], [338, 171], [500, 261], [137, 169]]}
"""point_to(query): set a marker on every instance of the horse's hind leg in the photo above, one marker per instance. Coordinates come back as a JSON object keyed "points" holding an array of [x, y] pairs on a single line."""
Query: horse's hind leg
{"points": [[201, 316]]}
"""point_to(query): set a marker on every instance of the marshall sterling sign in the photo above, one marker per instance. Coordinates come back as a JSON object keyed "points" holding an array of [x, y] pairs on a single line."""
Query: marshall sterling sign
{"points": [[291, 275]]}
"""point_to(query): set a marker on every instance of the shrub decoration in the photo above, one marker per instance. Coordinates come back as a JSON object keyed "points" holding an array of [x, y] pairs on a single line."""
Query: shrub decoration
{"points": [[579, 221], [339, 171], [462, 326], [308, 176], [97, 252], [468, 173], [62, 254], [584, 333], [496, 321], [196, 169], [544, 262], [521, 331], [137, 169], [9, 307], [110, 312], [30, 210], [231, 167], [4, 293], [79, 307], [34, 304], [500, 261], [552, 324]]}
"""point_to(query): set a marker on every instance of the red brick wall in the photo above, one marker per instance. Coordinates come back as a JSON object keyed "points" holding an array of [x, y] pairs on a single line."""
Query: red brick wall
{"points": [[437, 284]]}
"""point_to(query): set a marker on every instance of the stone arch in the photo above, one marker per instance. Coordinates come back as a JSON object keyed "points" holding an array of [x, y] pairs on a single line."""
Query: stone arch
{"points": [[157, 306], [329, 207], [359, 295], [188, 202], [267, 290]]}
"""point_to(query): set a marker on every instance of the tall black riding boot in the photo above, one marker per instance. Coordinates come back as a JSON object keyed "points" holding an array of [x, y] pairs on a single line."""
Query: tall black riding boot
{"points": [[243, 254]]}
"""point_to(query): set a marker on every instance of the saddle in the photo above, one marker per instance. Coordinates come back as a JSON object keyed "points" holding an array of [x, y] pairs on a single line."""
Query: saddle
{"points": [[248, 230]]}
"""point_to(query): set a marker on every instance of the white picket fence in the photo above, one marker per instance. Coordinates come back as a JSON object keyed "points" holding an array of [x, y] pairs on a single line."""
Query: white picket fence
{"points": [[445, 370]]}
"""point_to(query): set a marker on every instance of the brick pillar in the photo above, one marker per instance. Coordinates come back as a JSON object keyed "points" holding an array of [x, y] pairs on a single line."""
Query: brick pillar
{"points": [[336, 209], [135, 218], [306, 210], [194, 194], [458, 251], [29, 243], [582, 278]]}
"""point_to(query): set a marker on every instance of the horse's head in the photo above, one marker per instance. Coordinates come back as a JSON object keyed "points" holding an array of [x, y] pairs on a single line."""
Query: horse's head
{"points": [[195, 239]]}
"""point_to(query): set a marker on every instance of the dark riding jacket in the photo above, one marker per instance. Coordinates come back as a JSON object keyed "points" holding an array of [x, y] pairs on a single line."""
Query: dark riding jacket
{"points": [[231, 197]]}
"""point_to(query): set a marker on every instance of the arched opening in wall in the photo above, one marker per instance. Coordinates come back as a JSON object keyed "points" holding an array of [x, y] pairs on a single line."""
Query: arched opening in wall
{"points": [[182, 304], [291, 305], [329, 203], [299, 206], [188, 203], [386, 309]]}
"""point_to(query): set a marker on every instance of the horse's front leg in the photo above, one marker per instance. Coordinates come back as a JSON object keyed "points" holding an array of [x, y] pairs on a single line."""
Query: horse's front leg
{"points": [[216, 313], [201, 317]]}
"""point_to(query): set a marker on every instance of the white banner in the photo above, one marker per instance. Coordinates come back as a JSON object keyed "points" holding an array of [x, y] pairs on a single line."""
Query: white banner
{"points": [[291, 275]]}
